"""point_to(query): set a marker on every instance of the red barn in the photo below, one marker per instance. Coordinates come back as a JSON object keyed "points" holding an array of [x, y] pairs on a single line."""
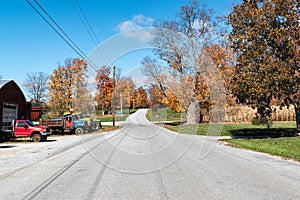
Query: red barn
{"points": [[12, 103]]}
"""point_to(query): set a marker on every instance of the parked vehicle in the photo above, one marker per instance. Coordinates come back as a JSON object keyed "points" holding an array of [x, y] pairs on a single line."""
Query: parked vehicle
{"points": [[65, 123], [25, 128], [4, 135], [93, 124]]}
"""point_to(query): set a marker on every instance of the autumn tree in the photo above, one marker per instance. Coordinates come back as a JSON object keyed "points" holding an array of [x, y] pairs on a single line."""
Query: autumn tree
{"points": [[124, 91], [171, 100], [81, 95], [155, 72], [141, 98], [66, 86], [221, 58], [155, 96], [104, 88], [60, 89], [36, 85], [182, 45], [266, 39]]}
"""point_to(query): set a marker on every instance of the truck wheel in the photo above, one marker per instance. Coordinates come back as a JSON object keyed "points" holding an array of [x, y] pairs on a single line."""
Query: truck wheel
{"points": [[5, 139], [44, 138], [36, 137], [79, 131]]}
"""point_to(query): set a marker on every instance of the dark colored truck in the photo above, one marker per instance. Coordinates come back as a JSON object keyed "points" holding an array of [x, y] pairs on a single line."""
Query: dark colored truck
{"points": [[25, 128], [93, 124], [66, 123]]}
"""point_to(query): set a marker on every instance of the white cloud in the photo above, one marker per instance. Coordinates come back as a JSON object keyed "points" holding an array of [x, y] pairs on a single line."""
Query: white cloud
{"points": [[135, 28], [142, 20]]}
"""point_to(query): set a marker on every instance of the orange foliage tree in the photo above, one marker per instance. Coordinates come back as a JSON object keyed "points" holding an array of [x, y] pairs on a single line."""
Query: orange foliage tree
{"points": [[81, 95], [266, 38], [183, 45], [155, 96], [66, 84], [177, 91], [104, 89], [124, 92], [140, 98]]}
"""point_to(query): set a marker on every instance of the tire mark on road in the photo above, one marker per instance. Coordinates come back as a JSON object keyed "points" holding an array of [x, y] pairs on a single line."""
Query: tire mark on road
{"points": [[102, 171], [51, 154], [34, 193], [158, 172]]}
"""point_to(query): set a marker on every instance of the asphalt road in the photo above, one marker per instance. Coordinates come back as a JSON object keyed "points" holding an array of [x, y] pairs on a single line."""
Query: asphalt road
{"points": [[144, 161]]}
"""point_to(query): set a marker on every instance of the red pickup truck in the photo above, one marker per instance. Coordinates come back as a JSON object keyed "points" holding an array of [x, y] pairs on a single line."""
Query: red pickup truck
{"points": [[25, 128]]}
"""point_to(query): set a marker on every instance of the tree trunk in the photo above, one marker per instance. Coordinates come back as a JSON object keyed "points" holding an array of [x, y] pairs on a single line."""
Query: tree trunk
{"points": [[193, 113], [297, 111], [102, 109]]}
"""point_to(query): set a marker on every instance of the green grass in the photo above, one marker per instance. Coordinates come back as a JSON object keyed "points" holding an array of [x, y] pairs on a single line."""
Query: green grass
{"points": [[286, 147], [108, 118], [279, 140], [109, 128], [118, 117], [200, 129], [237, 130], [165, 114]]}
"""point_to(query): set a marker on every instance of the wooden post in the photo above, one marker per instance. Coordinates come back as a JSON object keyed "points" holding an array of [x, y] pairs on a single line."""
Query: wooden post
{"points": [[114, 94]]}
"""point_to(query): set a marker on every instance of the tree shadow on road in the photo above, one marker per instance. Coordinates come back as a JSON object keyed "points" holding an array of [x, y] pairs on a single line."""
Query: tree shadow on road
{"points": [[263, 132]]}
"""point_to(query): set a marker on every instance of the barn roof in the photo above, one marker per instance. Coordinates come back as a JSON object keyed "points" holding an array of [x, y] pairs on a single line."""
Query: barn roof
{"points": [[4, 82]]}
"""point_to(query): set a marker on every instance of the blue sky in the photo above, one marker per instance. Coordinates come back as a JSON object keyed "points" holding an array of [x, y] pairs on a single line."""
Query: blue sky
{"points": [[29, 45]]}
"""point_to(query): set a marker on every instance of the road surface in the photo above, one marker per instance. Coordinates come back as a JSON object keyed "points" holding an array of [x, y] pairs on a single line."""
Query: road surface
{"points": [[145, 161]]}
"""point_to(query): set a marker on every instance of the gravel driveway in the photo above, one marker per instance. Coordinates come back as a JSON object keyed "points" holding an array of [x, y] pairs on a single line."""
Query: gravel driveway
{"points": [[15, 155]]}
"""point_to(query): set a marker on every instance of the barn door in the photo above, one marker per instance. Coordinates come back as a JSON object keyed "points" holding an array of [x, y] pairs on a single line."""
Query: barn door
{"points": [[10, 112]]}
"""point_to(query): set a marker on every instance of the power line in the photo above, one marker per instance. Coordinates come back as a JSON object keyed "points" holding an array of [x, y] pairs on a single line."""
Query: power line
{"points": [[77, 49], [66, 35], [85, 22], [53, 27], [89, 28], [57, 25]]}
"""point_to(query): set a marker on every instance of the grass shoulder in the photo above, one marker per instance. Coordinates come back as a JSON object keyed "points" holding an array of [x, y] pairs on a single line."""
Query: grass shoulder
{"points": [[286, 147], [109, 128], [280, 140], [118, 116], [236, 130], [164, 114]]}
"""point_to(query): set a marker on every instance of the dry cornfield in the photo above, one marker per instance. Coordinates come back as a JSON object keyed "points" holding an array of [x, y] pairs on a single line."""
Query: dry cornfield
{"points": [[242, 114]]}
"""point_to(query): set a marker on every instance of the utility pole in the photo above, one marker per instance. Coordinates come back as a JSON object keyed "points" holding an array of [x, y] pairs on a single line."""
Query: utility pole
{"points": [[121, 103], [114, 95]]}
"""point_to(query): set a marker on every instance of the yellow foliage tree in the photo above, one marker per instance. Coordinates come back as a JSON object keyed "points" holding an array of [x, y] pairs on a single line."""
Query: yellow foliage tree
{"points": [[124, 91], [67, 84], [140, 98]]}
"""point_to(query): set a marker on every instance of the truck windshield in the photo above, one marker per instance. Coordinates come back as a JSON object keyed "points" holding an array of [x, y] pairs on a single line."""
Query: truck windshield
{"points": [[81, 116], [30, 123]]}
